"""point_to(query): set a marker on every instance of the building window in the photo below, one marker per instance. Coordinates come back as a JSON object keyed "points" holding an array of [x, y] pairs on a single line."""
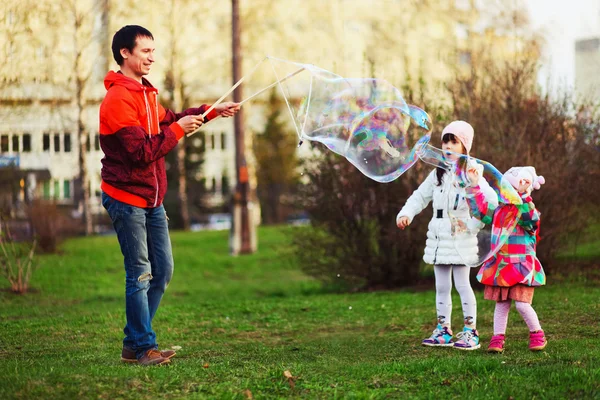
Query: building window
{"points": [[97, 142], [4, 143], [56, 189], [587, 45], [67, 189], [225, 185], [26, 143], [462, 31], [214, 185], [15, 143], [56, 143], [46, 140], [464, 58], [46, 189], [223, 141], [202, 142], [67, 143], [212, 141]]}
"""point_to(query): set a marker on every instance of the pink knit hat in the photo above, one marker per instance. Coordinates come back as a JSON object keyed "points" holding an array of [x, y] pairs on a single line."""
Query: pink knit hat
{"points": [[515, 176], [463, 131]]}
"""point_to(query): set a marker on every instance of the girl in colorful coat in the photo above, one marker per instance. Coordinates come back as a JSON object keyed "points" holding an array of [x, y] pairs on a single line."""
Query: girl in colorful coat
{"points": [[448, 199], [514, 271]]}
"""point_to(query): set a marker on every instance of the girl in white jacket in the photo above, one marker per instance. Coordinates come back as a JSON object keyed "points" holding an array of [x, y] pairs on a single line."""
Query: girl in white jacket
{"points": [[441, 246]]}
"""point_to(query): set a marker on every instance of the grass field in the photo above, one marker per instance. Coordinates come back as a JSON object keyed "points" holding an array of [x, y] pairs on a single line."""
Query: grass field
{"points": [[241, 322]]}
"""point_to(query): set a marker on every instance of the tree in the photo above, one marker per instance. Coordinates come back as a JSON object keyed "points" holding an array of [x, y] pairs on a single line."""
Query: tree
{"points": [[277, 163], [76, 19]]}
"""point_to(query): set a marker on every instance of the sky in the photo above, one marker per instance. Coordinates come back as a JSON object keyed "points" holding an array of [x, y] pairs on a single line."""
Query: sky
{"points": [[562, 22]]}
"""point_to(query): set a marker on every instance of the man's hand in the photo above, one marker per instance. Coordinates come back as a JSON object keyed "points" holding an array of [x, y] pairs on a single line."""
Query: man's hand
{"points": [[403, 222], [190, 123], [228, 109]]}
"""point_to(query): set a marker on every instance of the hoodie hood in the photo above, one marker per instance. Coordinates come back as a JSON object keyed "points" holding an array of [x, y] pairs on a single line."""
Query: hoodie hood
{"points": [[117, 78]]}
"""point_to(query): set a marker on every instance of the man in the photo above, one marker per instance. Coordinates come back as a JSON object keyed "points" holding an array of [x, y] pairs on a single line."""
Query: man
{"points": [[136, 133]]}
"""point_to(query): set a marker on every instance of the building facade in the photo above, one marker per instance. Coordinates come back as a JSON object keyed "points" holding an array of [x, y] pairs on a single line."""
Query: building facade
{"points": [[403, 42]]}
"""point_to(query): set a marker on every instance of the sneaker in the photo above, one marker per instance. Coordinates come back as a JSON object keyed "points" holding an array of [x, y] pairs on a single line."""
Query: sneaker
{"points": [[537, 341], [441, 336], [153, 357], [128, 355], [496, 344], [468, 339]]}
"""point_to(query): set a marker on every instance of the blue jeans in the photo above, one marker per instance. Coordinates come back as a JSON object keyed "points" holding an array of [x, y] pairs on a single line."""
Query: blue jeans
{"points": [[143, 234]]}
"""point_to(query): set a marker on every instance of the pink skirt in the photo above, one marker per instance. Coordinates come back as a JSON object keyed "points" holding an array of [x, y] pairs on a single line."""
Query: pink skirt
{"points": [[520, 293]]}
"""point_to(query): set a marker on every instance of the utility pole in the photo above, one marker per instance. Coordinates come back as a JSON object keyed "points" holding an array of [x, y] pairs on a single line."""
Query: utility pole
{"points": [[242, 238]]}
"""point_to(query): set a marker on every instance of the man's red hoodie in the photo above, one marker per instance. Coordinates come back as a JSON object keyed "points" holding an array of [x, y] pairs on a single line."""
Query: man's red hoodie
{"points": [[136, 133]]}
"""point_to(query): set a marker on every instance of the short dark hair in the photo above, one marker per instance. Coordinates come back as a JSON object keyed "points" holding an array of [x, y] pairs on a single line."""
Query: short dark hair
{"points": [[125, 39]]}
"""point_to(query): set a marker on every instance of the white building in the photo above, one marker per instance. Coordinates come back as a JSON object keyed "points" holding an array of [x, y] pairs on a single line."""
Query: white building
{"points": [[587, 65]]}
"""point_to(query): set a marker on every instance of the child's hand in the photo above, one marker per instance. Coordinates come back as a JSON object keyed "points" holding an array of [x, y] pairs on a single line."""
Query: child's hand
{"points": [[402, 222], [473, 176], [474, 171]]}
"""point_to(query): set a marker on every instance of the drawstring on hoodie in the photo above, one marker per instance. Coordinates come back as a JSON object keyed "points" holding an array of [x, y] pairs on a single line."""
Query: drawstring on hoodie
{"points": [[150, 133], [156, 109], [148, 111]]}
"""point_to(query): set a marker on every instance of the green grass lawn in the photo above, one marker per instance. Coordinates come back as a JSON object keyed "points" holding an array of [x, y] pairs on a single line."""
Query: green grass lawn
{"points": [[242, 322]]}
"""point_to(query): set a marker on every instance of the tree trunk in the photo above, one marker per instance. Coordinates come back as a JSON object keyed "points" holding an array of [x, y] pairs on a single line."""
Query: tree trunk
{"points": [[243, 229], [177, 96], [82, 135]]}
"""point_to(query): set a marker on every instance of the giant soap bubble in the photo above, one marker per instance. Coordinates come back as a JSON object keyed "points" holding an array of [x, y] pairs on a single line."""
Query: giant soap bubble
{"points": [[365, 120]]}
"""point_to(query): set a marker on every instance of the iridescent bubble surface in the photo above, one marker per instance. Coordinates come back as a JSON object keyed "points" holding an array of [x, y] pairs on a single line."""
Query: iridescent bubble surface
{"points": [[365, 120]]}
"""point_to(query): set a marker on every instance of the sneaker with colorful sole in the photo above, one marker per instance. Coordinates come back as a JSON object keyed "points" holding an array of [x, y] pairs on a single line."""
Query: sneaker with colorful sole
{"points": [[441, 336], [468, 339]]}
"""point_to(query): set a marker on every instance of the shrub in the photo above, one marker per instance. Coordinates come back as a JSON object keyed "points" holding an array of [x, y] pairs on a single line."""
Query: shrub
{"points": [[17, 261], [353, 231], [51, 225]]}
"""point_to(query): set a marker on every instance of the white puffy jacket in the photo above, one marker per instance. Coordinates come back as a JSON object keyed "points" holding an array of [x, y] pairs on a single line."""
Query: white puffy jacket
{"points": [[441, 246]]}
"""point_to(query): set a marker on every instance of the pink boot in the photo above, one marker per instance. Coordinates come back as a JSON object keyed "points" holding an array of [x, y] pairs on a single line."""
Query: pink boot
{"points": [[496, 344], [537, 340]]}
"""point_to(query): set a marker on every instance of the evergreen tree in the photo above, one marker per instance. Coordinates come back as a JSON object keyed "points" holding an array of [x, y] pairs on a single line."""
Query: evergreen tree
{"points": [[275, 152]]}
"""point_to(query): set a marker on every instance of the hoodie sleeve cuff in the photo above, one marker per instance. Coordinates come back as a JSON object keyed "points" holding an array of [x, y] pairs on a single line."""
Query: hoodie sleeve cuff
{"points": [[211, 115], [175, 127]]}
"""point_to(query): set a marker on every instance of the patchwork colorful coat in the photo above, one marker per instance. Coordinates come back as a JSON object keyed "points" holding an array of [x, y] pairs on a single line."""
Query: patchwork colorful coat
{"points": [[515, 262]]}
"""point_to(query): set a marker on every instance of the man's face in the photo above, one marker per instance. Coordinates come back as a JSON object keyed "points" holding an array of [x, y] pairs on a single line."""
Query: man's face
{"points": [[141, 58]]}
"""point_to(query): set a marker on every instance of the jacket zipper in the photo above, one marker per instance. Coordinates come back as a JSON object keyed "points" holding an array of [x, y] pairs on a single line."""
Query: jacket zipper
{"points": [[437, 238]]}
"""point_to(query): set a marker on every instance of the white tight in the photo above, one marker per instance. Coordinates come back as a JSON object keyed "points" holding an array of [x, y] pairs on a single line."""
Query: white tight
{"points": [[443, 298]]}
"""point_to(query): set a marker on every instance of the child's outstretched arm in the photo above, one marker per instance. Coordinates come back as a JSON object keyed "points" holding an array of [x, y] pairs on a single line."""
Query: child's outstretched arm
{"points": [[530, 216], [418, 200], [481, 207]]}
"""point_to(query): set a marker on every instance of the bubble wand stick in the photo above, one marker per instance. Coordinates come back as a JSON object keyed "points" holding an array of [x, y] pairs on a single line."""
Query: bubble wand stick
{"points": [[216, 103]]}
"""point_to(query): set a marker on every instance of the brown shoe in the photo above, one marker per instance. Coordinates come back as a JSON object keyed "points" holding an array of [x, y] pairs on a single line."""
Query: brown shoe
{"points": [[153, 357], [128, 355]]}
